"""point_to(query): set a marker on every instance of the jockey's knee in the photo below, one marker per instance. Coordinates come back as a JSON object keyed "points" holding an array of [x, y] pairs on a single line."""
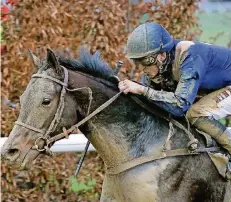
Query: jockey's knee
{"points": [[205, 122], [194, 113]]}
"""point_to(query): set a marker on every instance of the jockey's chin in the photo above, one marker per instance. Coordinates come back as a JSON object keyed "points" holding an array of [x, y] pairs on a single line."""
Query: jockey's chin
{"points": [[151, 71]]}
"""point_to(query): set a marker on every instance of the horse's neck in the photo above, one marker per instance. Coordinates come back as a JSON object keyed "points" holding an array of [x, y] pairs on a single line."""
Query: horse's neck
{"points": [[123, 131]]}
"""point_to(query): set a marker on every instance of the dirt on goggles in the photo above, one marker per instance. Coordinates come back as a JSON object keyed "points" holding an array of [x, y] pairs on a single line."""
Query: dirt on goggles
{"points": [[146, 61]]}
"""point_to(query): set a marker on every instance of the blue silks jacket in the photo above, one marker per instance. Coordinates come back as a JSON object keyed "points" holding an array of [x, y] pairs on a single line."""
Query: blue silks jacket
{"points": [[205, 67]]}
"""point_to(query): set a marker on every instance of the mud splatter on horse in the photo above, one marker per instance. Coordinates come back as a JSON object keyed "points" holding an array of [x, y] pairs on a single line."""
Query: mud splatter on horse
{"points": [[121, 133]]}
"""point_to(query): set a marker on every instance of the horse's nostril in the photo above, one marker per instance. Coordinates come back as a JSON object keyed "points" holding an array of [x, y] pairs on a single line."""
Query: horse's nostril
{"points": [[12, 152]]}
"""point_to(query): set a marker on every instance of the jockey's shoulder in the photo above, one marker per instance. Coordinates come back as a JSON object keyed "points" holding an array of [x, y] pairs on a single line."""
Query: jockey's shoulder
{"points": [[197, 48], [183, 46]]}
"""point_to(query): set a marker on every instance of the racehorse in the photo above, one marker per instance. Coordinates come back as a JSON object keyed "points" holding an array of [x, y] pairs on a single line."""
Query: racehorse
{"points": [[64, 91]]}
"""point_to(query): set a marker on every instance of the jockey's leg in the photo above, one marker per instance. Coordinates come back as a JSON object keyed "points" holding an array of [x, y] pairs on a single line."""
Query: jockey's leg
{"points": [[205, 114]]}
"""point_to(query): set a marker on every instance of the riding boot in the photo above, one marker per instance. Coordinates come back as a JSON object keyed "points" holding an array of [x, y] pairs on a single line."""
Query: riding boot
{"points": [[225, 140], [228, 173], [216, 130]]}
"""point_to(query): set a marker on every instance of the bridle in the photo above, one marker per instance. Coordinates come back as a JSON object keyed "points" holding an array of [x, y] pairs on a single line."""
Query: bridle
{"points": [[45, 135]]}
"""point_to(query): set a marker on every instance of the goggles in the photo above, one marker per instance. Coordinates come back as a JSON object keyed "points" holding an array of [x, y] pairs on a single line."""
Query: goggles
{"points": [[146, 61]]}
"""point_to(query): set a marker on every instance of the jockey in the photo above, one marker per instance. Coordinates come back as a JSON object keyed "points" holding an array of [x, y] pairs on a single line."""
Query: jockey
{"points": [[180, 69]]}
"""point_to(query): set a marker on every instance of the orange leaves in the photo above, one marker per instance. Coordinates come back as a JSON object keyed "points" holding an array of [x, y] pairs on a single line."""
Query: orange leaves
{"points": [[64, 26]]}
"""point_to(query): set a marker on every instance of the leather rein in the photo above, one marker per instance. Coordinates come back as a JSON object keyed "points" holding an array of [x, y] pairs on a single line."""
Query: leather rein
{"points": [[191, 149]]}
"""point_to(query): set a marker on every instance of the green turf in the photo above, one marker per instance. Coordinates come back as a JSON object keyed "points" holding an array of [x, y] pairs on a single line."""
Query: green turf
{"points": [[214, 23]]}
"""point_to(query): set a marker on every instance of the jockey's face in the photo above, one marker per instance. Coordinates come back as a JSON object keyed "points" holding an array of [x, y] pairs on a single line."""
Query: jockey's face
{"points": [[151, 69]]}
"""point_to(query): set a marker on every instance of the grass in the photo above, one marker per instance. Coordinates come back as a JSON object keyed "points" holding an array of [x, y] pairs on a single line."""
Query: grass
{"points": [[77, 186]]}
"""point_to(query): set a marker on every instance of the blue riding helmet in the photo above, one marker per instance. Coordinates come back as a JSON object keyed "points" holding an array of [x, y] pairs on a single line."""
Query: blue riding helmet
{"points": [[148, 39]]}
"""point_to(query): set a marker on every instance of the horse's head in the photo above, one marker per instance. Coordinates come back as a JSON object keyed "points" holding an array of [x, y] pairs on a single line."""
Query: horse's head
{"points": [[42, 112]]}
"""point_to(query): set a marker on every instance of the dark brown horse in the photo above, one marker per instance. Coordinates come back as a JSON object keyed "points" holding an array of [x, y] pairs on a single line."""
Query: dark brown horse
{"points": [[122, 132]]}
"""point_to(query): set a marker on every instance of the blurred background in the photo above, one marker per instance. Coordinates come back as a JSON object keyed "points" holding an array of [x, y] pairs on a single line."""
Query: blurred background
{"points": [[64, 25]]}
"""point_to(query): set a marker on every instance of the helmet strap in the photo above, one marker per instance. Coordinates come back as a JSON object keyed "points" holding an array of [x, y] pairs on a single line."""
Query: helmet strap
{"points": [[164, 66]]}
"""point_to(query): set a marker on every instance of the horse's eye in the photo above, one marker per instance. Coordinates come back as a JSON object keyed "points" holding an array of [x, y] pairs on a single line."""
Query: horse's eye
{"points": [[46, 101]]}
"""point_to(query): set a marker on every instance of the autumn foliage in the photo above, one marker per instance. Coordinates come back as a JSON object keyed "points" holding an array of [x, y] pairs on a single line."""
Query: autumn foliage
{"points": [[64, 26]]}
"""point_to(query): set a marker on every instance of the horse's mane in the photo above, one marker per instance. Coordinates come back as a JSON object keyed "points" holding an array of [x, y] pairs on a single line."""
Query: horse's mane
{"points": [[90, 64], [95, 66]]}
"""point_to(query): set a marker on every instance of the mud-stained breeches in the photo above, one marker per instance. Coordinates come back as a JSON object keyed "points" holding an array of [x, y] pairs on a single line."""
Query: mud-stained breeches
{"points": [[216, 104], [204, 115]]}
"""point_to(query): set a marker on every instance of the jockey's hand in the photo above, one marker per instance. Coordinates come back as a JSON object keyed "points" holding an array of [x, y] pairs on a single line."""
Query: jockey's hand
{"points": [[128, 86]]}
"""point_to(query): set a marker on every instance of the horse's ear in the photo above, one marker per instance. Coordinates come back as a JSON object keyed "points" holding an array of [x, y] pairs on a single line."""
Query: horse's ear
{"points": [[35, 60], [53, 62]]}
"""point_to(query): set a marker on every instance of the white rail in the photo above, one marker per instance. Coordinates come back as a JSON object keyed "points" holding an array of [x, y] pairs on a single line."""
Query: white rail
{"points": [[75, 143]]}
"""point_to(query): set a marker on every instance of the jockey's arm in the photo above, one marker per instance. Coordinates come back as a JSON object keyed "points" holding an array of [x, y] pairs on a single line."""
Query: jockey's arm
{"points": [[191, 73]]}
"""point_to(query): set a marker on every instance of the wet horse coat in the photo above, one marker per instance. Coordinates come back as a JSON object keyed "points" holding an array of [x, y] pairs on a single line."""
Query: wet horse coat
{"points": [[122, 132]]}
